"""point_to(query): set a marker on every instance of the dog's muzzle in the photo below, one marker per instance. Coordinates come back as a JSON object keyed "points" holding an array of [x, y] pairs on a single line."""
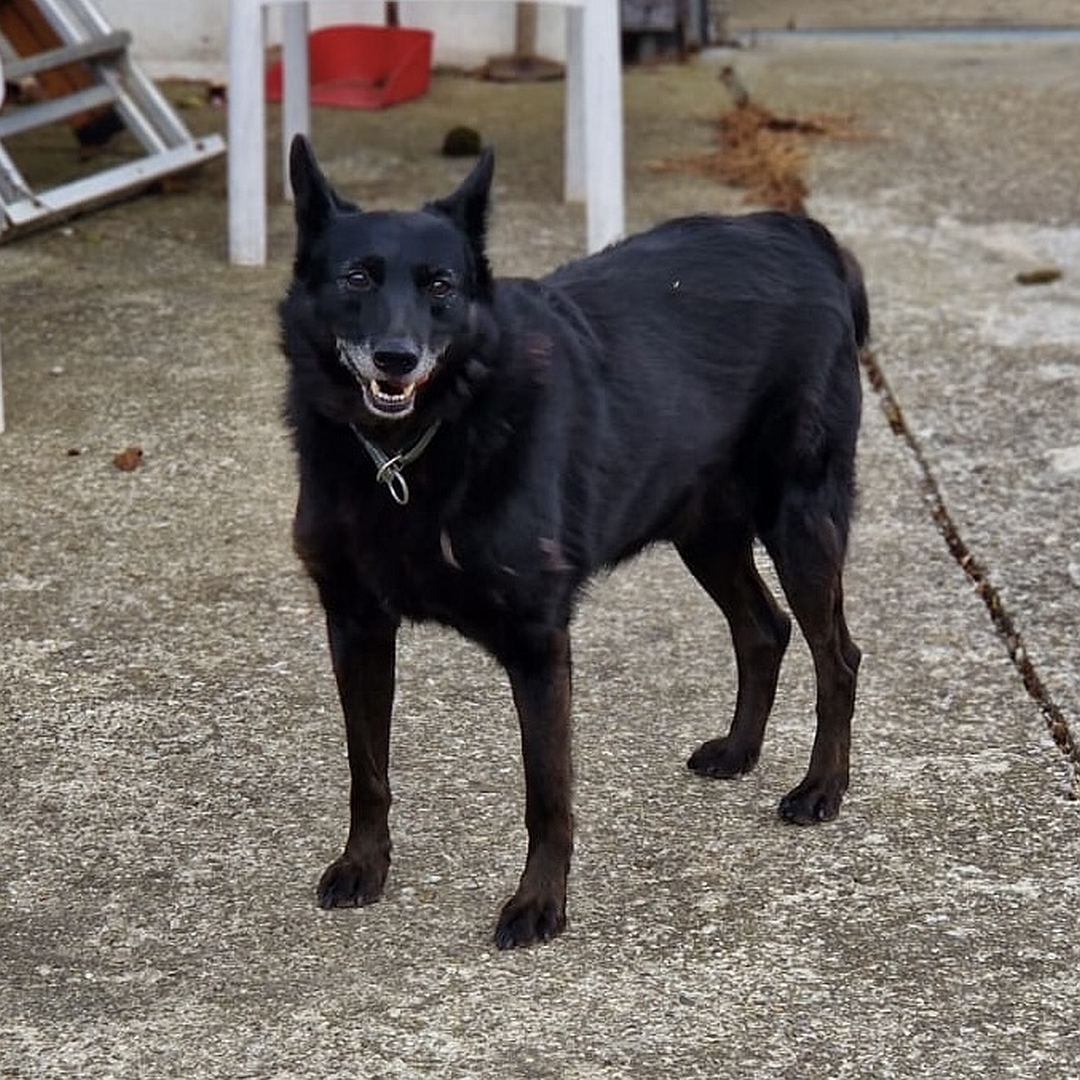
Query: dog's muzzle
{"points": [[389, 374]]}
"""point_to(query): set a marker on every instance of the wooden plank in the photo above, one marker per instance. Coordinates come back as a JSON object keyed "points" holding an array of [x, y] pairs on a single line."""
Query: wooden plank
{"points": [[94, 49], [49, 112], [29, 32]]}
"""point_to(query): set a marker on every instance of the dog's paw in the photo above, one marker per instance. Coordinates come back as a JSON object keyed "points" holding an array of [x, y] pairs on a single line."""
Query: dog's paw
{"points": [[349, 882], [814, 801], [720, 758], [525, 920]]}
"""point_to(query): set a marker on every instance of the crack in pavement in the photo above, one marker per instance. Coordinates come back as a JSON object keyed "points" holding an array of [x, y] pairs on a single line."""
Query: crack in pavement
{"points": [[1056, 722]]}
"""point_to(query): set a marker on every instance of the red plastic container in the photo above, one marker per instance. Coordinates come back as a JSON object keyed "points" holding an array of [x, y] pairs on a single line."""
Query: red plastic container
{"points": [[363, 67]]}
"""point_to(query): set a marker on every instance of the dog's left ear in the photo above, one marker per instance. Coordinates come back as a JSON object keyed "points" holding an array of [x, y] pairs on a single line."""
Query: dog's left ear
{"points": [[314, 197], [316, 202], [467, 207]]}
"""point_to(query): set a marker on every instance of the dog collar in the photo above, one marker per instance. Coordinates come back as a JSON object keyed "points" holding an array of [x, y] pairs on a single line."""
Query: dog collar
{"points": [[388, 470]]}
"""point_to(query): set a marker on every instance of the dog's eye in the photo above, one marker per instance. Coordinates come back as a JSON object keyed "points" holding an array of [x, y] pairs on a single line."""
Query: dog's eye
{"points": [[440, 288], [358, 279]]}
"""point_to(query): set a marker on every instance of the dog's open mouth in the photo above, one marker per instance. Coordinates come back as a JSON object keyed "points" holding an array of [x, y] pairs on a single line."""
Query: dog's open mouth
{"points": [[390, 399]]}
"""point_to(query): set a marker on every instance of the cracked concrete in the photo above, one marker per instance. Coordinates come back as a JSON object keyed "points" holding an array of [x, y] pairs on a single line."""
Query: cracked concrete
{"points": [[1057, 723], [173, 775]]}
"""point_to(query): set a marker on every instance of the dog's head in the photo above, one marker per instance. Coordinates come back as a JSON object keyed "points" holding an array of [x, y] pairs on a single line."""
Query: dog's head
{"points": [[384, 302]]}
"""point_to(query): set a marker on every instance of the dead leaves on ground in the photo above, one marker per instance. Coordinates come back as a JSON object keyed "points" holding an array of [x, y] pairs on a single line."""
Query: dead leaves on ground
{"points": [[129, 459], [765, 153], [1041, 275]]}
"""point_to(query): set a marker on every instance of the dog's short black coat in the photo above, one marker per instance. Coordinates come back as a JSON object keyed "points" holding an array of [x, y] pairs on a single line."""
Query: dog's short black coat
{"points": [[697, 383]]}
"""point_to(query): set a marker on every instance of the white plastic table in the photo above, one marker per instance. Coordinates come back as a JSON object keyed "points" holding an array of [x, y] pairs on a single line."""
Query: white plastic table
{"points": [[593, 124]]}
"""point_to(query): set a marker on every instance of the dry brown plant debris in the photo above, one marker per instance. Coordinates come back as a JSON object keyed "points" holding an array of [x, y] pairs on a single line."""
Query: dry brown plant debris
{"points": [[764, 153]]}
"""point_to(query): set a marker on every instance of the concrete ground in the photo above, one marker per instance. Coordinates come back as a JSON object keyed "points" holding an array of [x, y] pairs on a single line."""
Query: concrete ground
{"points": [[173, 776], [748, 15]]}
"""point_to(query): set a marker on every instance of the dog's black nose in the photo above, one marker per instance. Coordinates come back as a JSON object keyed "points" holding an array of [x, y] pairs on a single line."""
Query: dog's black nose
{"points": [[396, 358]]}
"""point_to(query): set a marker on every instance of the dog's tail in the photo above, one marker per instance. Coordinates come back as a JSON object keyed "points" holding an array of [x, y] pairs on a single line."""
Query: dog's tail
{"points": [[856, 287], [852, 276]]}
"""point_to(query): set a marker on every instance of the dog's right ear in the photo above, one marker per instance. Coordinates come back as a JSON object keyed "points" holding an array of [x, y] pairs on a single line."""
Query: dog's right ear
{"points": [[316, 201], [467, 207]]}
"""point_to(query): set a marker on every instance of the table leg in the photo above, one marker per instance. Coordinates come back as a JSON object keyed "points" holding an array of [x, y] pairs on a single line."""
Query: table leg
{"points": [[296, 83], [246, 134], [602, 108], [574, 137]]}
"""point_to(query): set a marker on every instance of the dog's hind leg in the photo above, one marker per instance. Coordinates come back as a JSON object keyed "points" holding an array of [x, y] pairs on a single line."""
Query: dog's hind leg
{"points": [[363, 653], [540, 679], [807, 547], [724, 565]]}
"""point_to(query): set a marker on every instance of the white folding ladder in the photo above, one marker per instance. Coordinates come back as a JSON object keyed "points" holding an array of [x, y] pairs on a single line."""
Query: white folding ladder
{"points": [[119, 84]]}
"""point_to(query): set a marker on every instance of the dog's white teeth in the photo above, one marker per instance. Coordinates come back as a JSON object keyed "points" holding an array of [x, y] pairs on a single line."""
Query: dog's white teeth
{"points": [[380, 393]]}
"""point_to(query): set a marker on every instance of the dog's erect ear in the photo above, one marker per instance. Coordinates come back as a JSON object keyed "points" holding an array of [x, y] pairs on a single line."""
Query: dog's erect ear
{"points": [[315, 199], [467, 207]]}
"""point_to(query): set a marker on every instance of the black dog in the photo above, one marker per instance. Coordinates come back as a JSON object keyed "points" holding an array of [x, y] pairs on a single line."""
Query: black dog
{"points": [[472, 450]]}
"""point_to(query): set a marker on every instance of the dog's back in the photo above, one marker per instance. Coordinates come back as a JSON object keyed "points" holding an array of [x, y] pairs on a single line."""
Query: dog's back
{"points": [[706, 346]]}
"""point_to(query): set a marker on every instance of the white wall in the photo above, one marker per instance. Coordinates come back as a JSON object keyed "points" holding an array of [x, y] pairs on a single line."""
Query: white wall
{"points": [[180, 37], [187, 37]]}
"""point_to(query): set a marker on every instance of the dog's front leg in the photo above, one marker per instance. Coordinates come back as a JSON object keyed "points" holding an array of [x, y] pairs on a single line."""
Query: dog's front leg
{"points": [[362, 649], [540, 680]]}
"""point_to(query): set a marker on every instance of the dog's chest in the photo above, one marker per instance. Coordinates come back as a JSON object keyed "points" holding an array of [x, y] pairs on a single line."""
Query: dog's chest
{"points": [[424, 570]]}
